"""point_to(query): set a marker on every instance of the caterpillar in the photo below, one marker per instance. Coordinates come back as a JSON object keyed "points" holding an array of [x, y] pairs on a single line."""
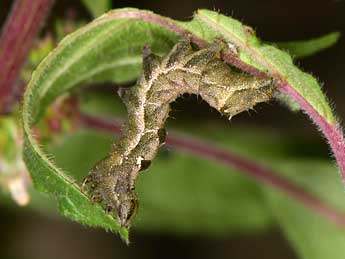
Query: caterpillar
{"points": [[184, 70]]}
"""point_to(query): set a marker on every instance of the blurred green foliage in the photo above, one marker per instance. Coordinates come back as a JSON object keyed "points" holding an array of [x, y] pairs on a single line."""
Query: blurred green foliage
{"points": [[303, 49], [98, 7]]}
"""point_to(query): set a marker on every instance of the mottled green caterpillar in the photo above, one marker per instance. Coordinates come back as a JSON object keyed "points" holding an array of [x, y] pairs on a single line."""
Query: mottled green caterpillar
{"points": [[183, 70]]}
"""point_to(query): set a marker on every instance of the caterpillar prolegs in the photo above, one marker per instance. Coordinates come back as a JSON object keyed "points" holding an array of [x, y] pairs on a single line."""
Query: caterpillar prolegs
{"points": [[183, 70]]}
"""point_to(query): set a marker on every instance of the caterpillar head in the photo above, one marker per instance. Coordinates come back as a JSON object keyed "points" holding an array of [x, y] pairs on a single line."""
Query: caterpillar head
{"points": [[127, 207], [104, 185]]}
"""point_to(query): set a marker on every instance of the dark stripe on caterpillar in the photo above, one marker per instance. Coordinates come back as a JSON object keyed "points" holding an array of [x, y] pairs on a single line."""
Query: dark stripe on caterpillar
{"points": [[183, 70]]}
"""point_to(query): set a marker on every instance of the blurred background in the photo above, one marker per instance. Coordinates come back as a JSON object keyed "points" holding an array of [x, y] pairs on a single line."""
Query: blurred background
{"points": [[36, 232]]}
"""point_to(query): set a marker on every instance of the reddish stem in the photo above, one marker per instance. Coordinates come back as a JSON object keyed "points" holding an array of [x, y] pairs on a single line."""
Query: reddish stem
{"points": [[17, 37], [252, 169]]}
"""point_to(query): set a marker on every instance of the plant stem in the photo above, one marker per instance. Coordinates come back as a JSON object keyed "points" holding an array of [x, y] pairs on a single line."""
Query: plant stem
{"points": [[17, 37], [248, 167], [333, 133]]}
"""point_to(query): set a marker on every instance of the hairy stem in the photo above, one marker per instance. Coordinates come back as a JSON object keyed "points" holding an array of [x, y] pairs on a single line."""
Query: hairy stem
{"points": [[17, 37], [333, 133], [248, 167]]}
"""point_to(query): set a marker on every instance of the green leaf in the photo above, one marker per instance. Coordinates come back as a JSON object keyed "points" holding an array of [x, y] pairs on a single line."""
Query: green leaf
{"points": [[306, 48], [98, 7], [109, 49], [210, 25], [72, 203]]}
